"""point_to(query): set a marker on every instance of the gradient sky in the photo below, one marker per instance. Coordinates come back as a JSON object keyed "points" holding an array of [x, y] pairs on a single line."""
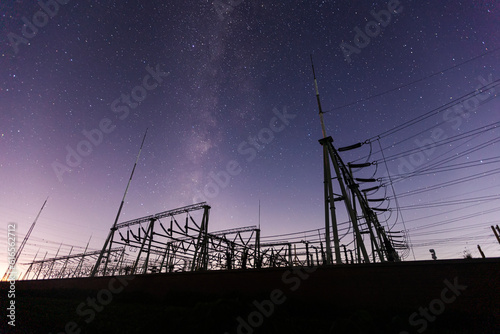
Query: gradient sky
{"points": [[221, 75]]}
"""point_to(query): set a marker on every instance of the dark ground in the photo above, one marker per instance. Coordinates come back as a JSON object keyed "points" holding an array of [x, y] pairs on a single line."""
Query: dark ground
{"points": [[366, 299]]}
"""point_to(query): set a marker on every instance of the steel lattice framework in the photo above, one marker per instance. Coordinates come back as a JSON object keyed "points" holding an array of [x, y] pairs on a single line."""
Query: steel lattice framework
{"points": [[72, 265], [178, 240]]}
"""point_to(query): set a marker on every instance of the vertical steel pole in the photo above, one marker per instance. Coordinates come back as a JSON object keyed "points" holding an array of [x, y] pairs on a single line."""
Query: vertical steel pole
{"points": [[109, 239], [41, 265], [481, 251], [60, 275], [54, 261], [151, 227], [335, 159]]}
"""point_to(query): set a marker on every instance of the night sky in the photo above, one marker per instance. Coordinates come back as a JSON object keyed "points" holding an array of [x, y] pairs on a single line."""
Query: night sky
{"points": [[227, 95]]}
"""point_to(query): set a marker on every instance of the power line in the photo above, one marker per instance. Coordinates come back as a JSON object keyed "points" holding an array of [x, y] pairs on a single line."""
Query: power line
{"points": [[431, 127], [445, 160], [454, 202], [434, 111], [477, 131], [435, 170], [452, 182], [416, 81], [453, 220]]}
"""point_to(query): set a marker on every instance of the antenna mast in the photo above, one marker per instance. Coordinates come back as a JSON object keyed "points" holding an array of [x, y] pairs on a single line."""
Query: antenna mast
{"points": [[20, 250], [259, 214], [317, 99], [109, 240]]}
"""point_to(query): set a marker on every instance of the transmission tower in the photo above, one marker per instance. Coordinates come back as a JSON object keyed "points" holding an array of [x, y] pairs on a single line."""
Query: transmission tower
{"points": [[381, 244]]}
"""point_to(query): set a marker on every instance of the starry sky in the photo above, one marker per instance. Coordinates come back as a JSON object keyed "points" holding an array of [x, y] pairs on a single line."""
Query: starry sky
{"points": [[227, 95]]}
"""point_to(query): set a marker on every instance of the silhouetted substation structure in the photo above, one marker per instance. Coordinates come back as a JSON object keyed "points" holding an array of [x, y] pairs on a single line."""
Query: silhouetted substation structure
{"points": [[179, 239]]}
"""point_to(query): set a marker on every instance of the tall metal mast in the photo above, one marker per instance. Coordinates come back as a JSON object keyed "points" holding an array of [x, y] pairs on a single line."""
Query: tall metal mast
{"points": [[20, 249], [346, 181], [328, 188], [319, 102], [329, 153], [109, 240]]}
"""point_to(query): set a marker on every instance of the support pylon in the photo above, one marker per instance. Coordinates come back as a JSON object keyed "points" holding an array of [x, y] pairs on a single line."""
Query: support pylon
{"points": [[345, 181], [331, 154]]}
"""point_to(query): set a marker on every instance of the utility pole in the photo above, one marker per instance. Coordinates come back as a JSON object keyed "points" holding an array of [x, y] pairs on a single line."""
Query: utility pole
{"points": [[481, 251]]}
